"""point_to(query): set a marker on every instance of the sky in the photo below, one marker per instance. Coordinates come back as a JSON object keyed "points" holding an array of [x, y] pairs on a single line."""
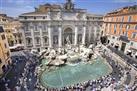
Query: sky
{"points": [[16, 7]]}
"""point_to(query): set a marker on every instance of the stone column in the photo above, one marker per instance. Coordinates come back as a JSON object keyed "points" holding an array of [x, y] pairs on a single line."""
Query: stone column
{"points": [[60, 36], [41, 38], [76, 36], [33, 38], [84, 35], [95, 33], [49, 34], [24, 38]]}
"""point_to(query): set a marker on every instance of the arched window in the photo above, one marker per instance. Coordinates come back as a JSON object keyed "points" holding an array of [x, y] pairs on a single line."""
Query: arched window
{"points": [[45, 40], [28, 41]]}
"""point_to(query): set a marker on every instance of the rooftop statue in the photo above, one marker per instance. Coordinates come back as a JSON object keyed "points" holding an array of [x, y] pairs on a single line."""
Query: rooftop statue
{"points": [[69, 5]]}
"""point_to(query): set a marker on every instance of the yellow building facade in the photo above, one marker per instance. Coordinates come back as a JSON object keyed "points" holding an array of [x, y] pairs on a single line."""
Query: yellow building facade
{"points": [[12, 28], [4, 52]]}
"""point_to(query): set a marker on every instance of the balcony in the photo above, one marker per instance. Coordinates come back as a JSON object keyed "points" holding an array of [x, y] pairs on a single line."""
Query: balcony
{"points": [[36, 33], [29, 45], [45, 44], [44, 33], [28, 34], [38, 44]]}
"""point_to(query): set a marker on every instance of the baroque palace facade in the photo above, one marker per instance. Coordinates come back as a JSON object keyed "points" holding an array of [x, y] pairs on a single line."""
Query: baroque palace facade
{"points": [[54, 26], [120, 26]]}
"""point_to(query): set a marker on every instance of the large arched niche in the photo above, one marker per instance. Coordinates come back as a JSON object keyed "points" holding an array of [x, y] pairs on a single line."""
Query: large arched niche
{"points": [[68, 35]]}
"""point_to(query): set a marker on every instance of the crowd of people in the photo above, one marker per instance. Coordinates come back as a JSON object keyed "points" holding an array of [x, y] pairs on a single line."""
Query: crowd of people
{"points": [[29, 78], [23, 71], [8, 81], [25, 82]]}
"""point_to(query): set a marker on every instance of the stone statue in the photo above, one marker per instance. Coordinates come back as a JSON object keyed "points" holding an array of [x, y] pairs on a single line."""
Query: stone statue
{"points": [[68, 40], [69, 5]]}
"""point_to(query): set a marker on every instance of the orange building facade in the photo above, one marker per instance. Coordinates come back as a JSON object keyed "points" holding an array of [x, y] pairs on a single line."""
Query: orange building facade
{"points": [[120, 27]]}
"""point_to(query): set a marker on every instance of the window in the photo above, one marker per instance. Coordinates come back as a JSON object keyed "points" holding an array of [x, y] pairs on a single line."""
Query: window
{"points": [[136, 27], [122, 26], [3, 37], [38, 49], [0, 61], [115, 29], [107, 19], [116, 19], [126, 34], [35, 27], [5, 45], [28, 41], [3, 19], [123, 32], [127, 27], [43, 17], [123, 19], [134, 35], [37, 40], [40, 26], [129, 18], [26, 27], [45, 40], [112, 19], [34, 17], [44, 27], [20, 41], [25, 17], [31, 27], [8, 54]]}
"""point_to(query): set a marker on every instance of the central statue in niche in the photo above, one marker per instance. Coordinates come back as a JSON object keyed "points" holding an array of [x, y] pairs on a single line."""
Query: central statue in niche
{"points": [[68, 40]]}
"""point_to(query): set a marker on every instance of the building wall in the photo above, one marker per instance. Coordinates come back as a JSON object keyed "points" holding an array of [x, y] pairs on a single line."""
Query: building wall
{"points": [[122, 22], [4, 52], [53, 24], [13, 30]]}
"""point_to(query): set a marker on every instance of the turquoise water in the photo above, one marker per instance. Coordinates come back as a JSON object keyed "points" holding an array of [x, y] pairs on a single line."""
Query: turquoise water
{"points": [[68, 75]]}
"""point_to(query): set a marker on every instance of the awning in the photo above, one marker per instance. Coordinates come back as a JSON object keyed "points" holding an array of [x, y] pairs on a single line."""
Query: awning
{"points": [[12, 47], [133, 48], [129, 51], [19, 45], [124, 38]]}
